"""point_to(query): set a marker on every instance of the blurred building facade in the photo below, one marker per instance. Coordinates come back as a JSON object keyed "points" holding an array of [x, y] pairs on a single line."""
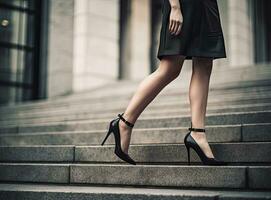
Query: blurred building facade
{"points": [[55, 47]]}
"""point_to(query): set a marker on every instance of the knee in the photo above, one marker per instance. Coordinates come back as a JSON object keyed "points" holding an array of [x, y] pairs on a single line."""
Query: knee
{"points": [[169, 69], [203, 67], [169, 73]]}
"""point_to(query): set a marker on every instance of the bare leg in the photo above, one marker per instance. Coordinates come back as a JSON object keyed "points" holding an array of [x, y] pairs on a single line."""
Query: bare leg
{"points": [[169, 69], [198, 95]]}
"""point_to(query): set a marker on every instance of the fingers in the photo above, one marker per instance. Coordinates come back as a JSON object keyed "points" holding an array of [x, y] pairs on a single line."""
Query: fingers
{"points": [[179, 29], [175, 27], [171, 25]]}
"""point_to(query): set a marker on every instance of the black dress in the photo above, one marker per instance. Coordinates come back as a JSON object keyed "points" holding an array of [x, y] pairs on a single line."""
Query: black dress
{"points": [[201, 33]]}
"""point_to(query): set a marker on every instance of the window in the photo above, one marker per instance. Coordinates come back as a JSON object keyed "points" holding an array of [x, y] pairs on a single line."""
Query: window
{"points": [[19, 39]]}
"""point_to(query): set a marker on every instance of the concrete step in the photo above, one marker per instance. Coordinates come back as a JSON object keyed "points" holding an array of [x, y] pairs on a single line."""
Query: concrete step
{"points": [[38, 172], [239, 177], [126, 90], [252, 152], [228, 133], [236, 118], [176, 153], [167, 110], [113, 102], [218, 133], [151, 122], [17, 191], [48, 153], [176, 99]]}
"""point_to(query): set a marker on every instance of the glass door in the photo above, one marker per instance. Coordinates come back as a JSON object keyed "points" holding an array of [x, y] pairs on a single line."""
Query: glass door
{"points": [[19, 44]]}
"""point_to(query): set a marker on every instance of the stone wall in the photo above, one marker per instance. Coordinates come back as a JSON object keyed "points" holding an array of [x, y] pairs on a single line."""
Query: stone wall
{"points": [[239, 34], [140, 39], [60, 48], [96, 47]]}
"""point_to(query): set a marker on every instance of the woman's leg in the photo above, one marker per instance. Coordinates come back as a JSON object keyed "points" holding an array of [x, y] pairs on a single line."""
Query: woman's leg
{"points": [[169, 68], [198, 95]]}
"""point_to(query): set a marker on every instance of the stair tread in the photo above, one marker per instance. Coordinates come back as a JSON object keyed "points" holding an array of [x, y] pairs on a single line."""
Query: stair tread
{"points": [[81, 114], [131, 85], [132, 191], [216, 133], [240, 152], [157, 104], [250, 177], [164, 117]]}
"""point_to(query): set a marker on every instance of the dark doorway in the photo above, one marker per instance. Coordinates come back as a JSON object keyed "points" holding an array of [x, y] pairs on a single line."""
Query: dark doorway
{"points": [[262, 30], [124, 41], [156, 19], [19, 49]]}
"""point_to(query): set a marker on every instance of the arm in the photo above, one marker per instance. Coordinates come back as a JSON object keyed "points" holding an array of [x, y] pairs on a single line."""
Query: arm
{"points": [[176, 17], [175, 4]]}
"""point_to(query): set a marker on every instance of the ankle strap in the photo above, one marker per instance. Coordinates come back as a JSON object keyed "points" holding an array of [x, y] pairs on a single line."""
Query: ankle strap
{"points": [[125, 121], [196, 129]]}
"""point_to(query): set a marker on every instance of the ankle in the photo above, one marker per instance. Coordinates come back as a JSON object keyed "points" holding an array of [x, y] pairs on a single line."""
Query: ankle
{"points": [[200, 125], [198, 135], [123, 125], [126, 121]]}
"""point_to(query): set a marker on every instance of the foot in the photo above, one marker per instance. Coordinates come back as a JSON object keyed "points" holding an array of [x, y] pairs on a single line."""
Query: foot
{"points": [[200, 138], [125, 136]]}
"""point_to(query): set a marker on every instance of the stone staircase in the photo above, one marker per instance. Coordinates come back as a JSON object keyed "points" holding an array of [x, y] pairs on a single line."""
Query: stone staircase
{"points": [[51, 149]]}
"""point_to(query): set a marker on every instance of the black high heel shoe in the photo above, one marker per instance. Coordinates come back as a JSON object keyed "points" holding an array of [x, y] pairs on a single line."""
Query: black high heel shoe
{"points": [[191, 143], [114, 127]]}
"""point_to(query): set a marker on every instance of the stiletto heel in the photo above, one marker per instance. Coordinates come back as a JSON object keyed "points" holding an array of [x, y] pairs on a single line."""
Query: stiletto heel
{"points": [[191, 143], [114, 128], [108, 133]]}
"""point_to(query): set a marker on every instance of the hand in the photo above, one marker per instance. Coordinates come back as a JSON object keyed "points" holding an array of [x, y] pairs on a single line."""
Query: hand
{"points": [[175, 20]]}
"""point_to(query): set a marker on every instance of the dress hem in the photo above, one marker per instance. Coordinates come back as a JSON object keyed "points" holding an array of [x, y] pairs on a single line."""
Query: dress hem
{"points": [[189, 57]]}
